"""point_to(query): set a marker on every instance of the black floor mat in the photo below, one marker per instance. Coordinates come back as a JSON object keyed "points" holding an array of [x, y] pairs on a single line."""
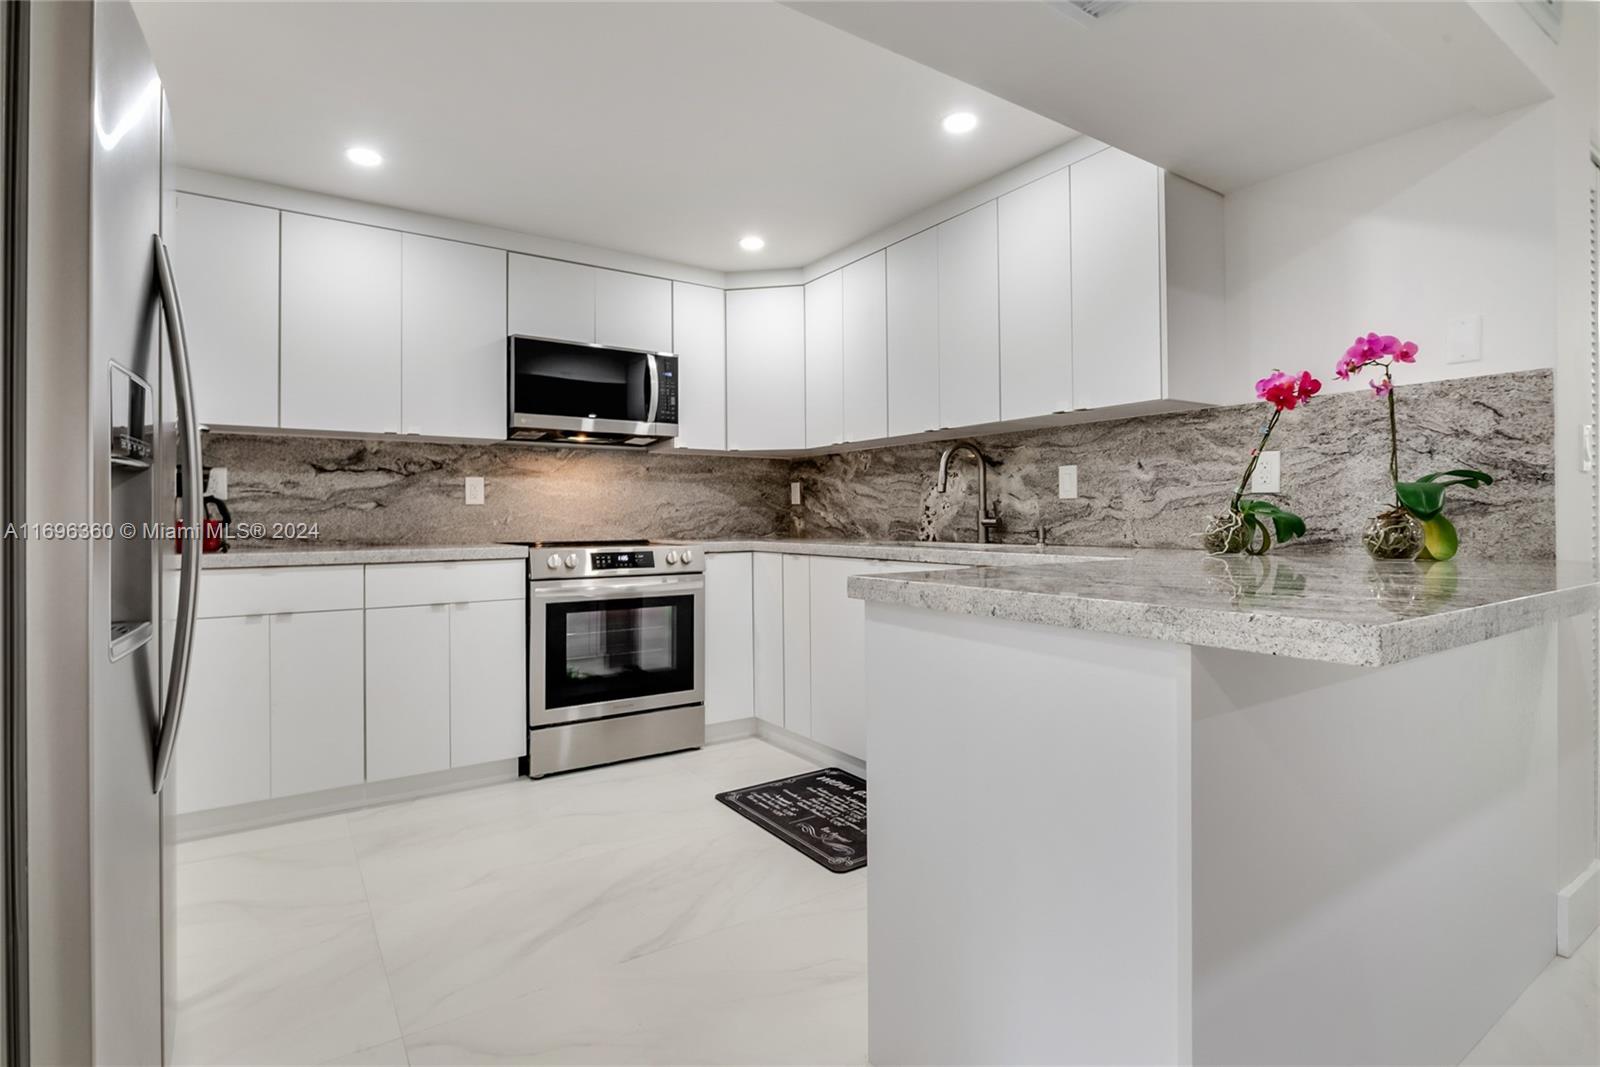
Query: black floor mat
{"points": [[822, 814]]}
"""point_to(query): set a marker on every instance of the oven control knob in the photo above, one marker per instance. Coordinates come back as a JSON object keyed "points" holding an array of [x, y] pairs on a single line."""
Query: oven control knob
{"points": [[572, 560], [687, 556], [553, 562], [672, 557]]}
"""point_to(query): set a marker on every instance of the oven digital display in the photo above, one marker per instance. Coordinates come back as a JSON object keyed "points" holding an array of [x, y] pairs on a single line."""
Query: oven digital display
{"points": [[616, 561]]}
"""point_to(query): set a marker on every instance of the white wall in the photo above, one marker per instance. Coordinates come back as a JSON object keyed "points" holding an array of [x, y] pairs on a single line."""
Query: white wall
{"points": [[1401, 238]]}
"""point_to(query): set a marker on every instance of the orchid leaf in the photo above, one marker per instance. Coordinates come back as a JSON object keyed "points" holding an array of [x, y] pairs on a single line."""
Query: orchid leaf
{"points": [[1286, 524], [1463, 477], [1424, 497]]}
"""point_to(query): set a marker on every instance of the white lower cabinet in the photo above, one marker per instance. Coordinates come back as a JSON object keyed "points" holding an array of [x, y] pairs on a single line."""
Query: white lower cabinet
{"points": [[797, 644], [488, 681], [224, 745], [408, 690], [767, 635], [730, 647], [838, 658], [316, 700]]}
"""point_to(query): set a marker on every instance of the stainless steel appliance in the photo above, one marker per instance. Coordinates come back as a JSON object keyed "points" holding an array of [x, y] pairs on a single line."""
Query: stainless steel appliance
{"points": [[561, 393], [616, 660]]}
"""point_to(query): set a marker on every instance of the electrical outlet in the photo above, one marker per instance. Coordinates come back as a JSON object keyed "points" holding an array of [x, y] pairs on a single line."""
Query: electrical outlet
{"points": [[1267, 474], [1067, 482], [794, 494], [474, 490], [1465, 344], [218, 484]]}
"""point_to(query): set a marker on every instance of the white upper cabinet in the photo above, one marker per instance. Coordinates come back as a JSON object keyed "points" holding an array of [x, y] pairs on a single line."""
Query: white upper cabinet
{"points": [[913, 333], [1116, 280], [866, 371], [340, 326], [632, 311], [1036, 298], [453, 339], [550, 298], [698, 340], [824, 362], [969, 318], [226, 257], [766, 368]]}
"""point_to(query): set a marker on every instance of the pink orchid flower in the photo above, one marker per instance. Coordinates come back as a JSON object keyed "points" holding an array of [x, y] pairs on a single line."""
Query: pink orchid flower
{"points": [[1285, 392], [1374, 348], [1381, 389]]}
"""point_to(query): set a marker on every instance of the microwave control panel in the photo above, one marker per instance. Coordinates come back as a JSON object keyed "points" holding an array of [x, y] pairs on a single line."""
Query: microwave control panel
{"points": [[667, 404]]}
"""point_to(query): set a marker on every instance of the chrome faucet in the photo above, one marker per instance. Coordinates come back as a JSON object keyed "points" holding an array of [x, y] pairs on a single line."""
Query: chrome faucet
{"points": [[986, 522]]}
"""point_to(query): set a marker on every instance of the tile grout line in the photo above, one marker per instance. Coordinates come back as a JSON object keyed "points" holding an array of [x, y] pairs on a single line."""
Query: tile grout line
{"points": [[372, 924]]}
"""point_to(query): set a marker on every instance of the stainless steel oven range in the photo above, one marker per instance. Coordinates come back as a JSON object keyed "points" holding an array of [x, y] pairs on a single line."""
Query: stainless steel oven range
{"points": [[616, 659]]}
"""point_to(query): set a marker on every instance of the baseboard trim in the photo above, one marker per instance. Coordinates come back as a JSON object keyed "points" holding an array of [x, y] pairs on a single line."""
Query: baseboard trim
{"points": [[732, 730], [197, 824], [808, 749], [1578, 911]]}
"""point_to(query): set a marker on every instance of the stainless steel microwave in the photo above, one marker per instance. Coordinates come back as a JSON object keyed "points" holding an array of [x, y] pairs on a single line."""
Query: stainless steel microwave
{"points": [[563, 393]]}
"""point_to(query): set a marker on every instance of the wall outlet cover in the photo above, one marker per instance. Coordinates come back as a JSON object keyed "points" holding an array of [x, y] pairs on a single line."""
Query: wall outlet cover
{"points": [[1067, 482], [217, 485], [474, 490], [1268, 474], [1465, 344], [794, 494]]}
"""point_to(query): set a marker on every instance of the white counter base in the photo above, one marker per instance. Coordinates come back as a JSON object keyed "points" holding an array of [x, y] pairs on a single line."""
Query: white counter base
{"points": [[1090, 848]]}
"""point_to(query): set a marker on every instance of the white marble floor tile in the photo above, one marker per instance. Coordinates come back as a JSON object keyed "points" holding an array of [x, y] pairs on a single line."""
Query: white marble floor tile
{"points": [[306, 831], [1555, 1021], [388, 1054]]}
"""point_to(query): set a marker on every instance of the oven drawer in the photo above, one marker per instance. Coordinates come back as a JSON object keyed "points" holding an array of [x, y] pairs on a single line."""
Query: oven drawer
{"points": [[399, 585], [586, 744]]}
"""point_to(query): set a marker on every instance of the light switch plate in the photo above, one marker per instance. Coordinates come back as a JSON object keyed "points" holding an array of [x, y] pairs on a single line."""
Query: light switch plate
{"points": [[217, 486], [794, 493], [474, 490], [1465, 344], [1268, 474], [1067, 482]]}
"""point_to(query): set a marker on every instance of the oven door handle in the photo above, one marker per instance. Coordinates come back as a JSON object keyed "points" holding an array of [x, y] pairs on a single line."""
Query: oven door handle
{"points": [[614, 589]]}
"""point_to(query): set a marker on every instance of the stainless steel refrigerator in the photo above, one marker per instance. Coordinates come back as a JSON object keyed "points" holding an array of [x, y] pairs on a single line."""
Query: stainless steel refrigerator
{"points": [[107, 597]]}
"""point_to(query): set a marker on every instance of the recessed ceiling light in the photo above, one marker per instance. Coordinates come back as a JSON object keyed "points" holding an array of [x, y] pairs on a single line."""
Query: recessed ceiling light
{"points": [[752, 243], [362, 157], [960, 122]]}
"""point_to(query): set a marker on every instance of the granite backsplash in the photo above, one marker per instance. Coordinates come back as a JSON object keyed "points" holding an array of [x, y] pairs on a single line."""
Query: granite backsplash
{"points": [[1149, 481]]}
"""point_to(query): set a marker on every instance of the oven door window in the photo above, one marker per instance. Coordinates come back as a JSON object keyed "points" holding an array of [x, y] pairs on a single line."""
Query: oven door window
{"points": [[596, 651]]}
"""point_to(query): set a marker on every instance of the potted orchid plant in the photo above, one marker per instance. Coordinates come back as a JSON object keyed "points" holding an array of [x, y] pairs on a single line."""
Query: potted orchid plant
{"points": [[1244, 527], [1415, 526]]}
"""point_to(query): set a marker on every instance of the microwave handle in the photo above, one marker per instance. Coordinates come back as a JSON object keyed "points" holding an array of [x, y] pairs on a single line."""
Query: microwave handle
{"points": [[654, 369]]}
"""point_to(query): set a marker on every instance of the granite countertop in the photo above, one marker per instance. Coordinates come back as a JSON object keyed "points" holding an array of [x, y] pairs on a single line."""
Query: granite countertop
{"points": [[311, 554], [1333, 607], [962, 554]]}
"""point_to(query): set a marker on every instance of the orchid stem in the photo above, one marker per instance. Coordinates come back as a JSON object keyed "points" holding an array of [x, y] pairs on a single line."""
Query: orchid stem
{"points": [[1255, 457], [1394, 439]]}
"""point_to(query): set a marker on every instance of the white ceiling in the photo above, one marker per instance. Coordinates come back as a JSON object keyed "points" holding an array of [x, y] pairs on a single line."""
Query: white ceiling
{"points": [[662, 129]]}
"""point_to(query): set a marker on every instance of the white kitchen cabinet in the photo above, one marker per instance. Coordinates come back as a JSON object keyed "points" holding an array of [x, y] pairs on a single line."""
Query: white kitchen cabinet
{"points": [[632, 311], [730, 646], [488, 681], [865, 344], [824, 361], [838, 662], [767, 618], [224, 748], [797, 644], [340, 326], [226, 257], [408, 690], [453, 339], [912, 284], [969, 318], [698, 340], [317, 700], [550, 298], [1036, 298], [766, 368]]}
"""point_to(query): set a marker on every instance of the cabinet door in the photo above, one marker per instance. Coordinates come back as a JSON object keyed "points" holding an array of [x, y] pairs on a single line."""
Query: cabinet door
{"points": [[730, 648], [766, 368], [549, 298], [318, 696], [224, 748], [824, 362], [698, 323], [1116, 280], [453, 342], [866, 370], [341, 326], [767, 635], [632, 311], [797, 644], [912, 284], [408, 691], [969, 318], [488, 681], [1036, 298], [838, 661], [227, 258]]}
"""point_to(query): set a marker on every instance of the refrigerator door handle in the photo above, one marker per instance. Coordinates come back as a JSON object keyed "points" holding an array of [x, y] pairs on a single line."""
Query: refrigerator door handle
{"points": [[191, 519]]}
